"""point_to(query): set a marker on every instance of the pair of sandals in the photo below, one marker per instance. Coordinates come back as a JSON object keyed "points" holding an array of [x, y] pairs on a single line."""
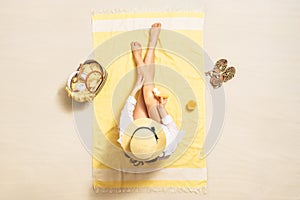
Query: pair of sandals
{"points": [[220, 73]]}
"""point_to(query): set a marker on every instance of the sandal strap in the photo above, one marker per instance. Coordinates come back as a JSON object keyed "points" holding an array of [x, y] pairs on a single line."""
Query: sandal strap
{"points": [[221, 65]]}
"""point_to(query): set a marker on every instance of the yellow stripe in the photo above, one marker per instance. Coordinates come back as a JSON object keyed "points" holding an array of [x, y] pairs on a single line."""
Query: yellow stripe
{"points": [[191, 163], [147, 15], [100, 37], [145, 183]]}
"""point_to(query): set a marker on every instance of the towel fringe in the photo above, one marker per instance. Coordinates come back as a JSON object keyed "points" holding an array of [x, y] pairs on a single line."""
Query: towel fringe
{"points": [[145, 10], [199, 190]]}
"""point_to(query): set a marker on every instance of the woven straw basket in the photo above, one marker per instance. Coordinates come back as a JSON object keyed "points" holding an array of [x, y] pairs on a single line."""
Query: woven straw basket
{"points": [[86, 82]]}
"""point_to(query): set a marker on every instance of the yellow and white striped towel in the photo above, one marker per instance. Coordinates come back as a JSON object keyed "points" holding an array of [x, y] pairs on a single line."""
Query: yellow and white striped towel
{"points": [[181, 34]]}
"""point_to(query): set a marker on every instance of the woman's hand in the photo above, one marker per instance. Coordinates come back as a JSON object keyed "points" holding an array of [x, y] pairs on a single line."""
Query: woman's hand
{"points": [[163, 101], [138, 85]]}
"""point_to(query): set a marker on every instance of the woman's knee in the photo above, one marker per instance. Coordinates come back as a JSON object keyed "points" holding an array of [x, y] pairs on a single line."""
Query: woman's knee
{"points": [[150, 99]]}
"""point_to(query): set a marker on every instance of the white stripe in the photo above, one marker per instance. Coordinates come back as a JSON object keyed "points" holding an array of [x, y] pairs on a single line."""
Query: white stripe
{"points": [[144, 23], [189, 174]]}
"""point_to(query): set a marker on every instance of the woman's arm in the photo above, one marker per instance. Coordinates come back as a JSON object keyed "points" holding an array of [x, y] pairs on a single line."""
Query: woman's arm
{"points": [[174, 136], [167, 120]]}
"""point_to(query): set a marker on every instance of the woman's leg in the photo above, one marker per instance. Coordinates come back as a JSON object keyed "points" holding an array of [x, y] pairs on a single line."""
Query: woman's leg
{"points": [[153, 38], [149, 72], [140, 110]]}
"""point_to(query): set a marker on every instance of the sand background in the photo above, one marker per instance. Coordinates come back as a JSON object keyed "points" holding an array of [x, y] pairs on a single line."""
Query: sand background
{"points": [[258, 155]]}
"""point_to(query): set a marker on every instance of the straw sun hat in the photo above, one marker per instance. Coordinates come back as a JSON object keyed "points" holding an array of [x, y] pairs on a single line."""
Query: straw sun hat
{"points": [[144, 139]]}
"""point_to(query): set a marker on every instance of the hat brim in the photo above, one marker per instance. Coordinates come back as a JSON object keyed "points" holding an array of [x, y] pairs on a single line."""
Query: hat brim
{"points": [[144, 122]]}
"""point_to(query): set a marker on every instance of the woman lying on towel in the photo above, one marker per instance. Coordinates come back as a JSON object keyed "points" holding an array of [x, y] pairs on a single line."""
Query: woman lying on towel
{"points": [[147, 132]]}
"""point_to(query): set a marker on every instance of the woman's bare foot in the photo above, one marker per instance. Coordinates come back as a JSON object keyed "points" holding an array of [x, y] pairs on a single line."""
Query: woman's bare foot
{"points": [[136, 49], [154, 34]]}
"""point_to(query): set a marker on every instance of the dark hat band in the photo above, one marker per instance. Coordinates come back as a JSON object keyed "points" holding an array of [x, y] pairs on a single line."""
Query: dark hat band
{"points": [[152, 129]]}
